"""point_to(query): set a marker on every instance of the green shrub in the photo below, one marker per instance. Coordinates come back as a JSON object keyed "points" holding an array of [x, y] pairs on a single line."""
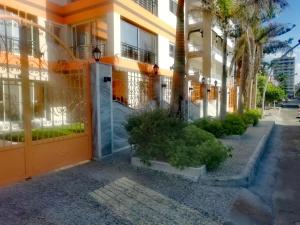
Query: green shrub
{"points": [[211, 125], [234, 124], [252, 116], [213, 153], [44, 133], [153, 134], [158, 136]]}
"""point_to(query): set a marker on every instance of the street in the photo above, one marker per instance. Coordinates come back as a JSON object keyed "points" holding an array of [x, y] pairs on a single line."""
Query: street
{"points": [[286, 195], [278, 180]]}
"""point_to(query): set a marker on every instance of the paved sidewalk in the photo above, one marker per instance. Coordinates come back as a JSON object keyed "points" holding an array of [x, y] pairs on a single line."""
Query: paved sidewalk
{"points": [[243, 148]]}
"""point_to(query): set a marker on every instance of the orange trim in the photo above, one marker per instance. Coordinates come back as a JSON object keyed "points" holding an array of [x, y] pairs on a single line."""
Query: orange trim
{"points": [[40, 8], [128, 64], [87, 14]]}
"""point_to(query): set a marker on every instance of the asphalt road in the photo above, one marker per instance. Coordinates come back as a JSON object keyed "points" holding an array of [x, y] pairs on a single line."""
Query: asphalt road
{"points": [[278, 180], [286, 196]]}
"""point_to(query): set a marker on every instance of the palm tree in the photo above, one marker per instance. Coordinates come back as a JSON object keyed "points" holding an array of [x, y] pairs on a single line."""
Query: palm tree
{"points": [[249, 48], [224, 11], [178, 94]]}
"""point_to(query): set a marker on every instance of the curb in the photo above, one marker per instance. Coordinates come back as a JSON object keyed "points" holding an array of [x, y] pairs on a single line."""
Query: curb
{"points": [[248, 174], [190, 173]]}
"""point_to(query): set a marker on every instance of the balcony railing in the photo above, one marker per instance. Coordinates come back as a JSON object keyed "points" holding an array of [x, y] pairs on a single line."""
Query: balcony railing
{"points": [[12, 45], [195, 47], [138, 54], [150, 5], [85, 51]]}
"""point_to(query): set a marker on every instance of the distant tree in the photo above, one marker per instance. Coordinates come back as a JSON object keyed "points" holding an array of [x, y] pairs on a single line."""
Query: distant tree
{"points": [[261, 82], [274, 93]]}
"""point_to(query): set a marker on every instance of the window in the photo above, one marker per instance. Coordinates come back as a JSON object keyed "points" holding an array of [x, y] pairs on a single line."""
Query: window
{"points": [[85, 37], [54, 29], [150, 5], [172, 50], [173, 6], [138, 44]]}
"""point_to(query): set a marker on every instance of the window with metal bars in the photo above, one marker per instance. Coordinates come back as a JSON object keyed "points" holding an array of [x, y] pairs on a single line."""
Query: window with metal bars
{"points": [[150, 5], [173, 6]]}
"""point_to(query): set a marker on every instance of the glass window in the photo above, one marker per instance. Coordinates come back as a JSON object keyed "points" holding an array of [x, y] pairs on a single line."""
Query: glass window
{"points": [[173, 6], [171, 50], [138, 44], [129, 34], [147, 41]]}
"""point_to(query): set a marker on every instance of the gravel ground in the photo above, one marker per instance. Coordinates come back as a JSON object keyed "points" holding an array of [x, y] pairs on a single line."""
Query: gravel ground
{"points": [[243, 148], [64, 197]]}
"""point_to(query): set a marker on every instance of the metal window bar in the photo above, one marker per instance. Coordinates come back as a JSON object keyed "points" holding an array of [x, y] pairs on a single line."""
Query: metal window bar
{"points": [[85, 51], [166, 85], [133, 52], [173, 5], [13, 46], [139, 90], [150, 5]]}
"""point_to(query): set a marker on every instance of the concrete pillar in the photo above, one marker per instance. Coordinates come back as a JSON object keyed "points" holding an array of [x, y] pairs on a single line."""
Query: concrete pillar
{"points": [[101, 88], [113, 34], [207, 53]]}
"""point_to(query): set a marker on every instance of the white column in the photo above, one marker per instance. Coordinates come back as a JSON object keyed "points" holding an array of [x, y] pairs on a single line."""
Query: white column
{"points": [[113, 34]]}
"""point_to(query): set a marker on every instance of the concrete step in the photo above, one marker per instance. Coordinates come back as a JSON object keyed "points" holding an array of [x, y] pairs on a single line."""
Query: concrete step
{"points": [[141, 205]]}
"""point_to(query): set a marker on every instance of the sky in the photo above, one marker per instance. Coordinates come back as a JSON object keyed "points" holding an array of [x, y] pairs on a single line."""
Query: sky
{"points": [[291, 15]]}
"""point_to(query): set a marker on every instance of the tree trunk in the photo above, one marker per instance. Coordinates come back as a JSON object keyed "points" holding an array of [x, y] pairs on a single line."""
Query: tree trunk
{"points": [[242, 87], [250, 78], [179, 64], [256, 71], [223, 108]]}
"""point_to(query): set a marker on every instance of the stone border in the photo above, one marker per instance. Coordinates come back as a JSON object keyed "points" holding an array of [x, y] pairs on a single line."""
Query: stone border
{"points": [[190, 173], [248, 174]]}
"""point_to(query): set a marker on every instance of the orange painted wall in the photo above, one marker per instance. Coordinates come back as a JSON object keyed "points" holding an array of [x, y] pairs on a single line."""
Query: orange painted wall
{"points": [[52, 155], [12, 164], [40, 8]]}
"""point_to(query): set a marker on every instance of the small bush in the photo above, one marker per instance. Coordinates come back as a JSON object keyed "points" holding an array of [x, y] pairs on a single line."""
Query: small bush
{"points": [[251, 117], [211, 125], [153, 134], [213, 154], [234, 124], [158, 136]]}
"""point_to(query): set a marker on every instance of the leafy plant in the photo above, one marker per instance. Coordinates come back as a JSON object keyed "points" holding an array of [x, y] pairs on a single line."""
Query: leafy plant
{"points": [[274, 93], [234, 124], [211, 125], [156, 135], [44, 133], [213, 154], [252, 116], [153, 133]]}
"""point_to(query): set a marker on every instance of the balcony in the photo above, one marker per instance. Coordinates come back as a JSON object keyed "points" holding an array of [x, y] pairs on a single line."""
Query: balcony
{"points": [[12, 46], [135, 53], [195, 50], [85, 51], [149, 5]]}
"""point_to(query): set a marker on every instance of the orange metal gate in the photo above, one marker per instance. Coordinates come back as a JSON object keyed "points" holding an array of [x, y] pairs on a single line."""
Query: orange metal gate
{"points": [[48, 128], [45, 118]]}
